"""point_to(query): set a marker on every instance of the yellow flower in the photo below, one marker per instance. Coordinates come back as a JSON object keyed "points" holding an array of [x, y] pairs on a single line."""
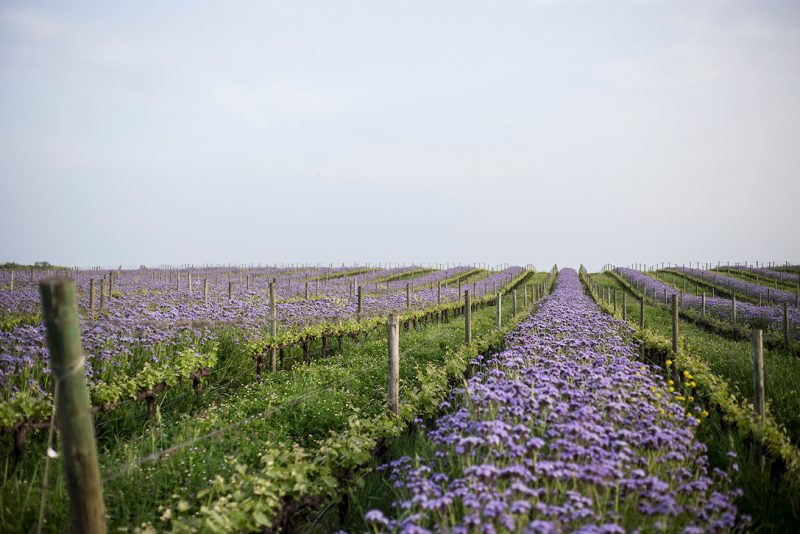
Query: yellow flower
{"points": [[669, 362], [691, 398], [670, 382], [643, 368], [671, 389], [705, 413], [681, 398], [661, 410]]}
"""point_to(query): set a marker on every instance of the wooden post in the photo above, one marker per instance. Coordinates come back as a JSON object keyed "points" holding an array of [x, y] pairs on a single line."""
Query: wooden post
{"points": [[230, 290], [499, 310], [102, 292], [306, 289], [759, 403], [408, 296], [439, 292], [641, 312], [72, 406], [615, 300], [786, 324], [459, 290], [674, 323], [733, 308], [189, 283], [514, 303], [393, 327], [91, 293], [525, 296], [467, 318], [703, 303], [205, 291], [358, 308], [624, 308], [273, 325]]}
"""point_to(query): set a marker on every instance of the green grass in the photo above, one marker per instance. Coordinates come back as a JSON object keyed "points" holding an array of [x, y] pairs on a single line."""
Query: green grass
{"points": [[769, 501]]}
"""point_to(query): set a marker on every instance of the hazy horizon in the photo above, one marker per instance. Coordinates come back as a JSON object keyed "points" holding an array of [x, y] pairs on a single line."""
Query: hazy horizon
{"points": [[568, 132]]}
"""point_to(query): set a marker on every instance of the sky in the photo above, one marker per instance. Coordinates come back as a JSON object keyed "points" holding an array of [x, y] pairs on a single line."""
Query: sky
{"points": [[568, 132]]}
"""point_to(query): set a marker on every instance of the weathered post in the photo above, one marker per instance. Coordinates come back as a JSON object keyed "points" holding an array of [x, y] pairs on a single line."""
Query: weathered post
{"points": [[439, 293], [525, 296], [273, 325], [624, 308], [91, 294], [393, 327], [674, 323], [467, 318], [641, 312], [733, 308], [408, 296], [703, 303], [759, 403], [72, 407], [230, 290], [615, 301], [358, 305], [306, 295], [102, 292], [12, 280], [499, 310], [205, 291], [786, 324]]}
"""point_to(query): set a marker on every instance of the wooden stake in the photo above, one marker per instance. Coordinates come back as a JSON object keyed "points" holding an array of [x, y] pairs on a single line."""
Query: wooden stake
{"points": [[91, 293], [358, 308], [703, 303], [230, 290], [786, 325], [624, 308], [273, 325], [674, 323], [205, 291], [72, 406], [393, 328], [499, 310], [514, 303], [759, 403], [467, 318]]}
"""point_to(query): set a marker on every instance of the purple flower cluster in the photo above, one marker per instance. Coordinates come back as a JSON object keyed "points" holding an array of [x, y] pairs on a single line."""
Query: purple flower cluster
{"points": [[563, 431], [766, 272], [716, 306], [740, 286]]}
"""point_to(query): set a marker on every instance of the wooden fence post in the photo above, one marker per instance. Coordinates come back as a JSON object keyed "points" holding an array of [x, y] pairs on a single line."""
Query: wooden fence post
{"points": [[393, 327], [102, 292], [91, 294], [641, 313], [467, 318], [786, 324], [408, 296], [674, 323], [439, 293], [703, 303], [230, 290], [273, 325], [733, 308], [499, 310], [72, 405], [358, 305], [514, 303], [624, 307], [759, 403], [205, 291]]}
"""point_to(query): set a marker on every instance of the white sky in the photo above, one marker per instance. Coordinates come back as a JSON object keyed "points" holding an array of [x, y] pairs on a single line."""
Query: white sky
{"points": [[428, 131]]}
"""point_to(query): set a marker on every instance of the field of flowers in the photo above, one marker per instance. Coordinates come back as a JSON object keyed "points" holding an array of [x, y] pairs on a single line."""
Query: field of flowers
{"points": [[717, 306], [741, 287], [563, 431], [161, 326], [339, 401]]}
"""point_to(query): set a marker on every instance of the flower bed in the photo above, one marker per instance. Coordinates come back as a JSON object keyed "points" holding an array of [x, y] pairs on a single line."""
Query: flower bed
{"points": [[564, 431]]}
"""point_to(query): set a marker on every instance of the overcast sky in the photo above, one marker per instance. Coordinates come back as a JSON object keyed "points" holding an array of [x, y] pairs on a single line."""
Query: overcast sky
{"points": [[528, 131]]}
